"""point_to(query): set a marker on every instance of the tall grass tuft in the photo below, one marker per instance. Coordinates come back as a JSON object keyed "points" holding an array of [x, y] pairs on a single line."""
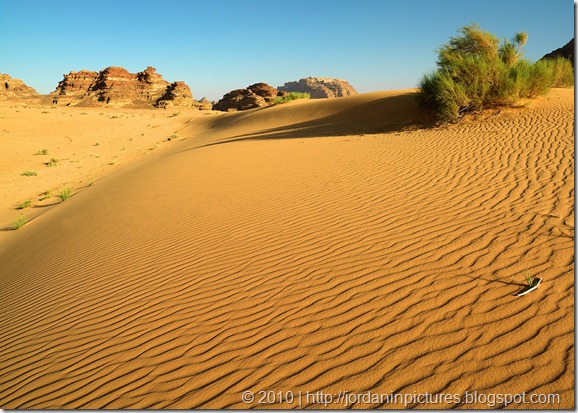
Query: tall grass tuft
{"points": [[474, 72]]}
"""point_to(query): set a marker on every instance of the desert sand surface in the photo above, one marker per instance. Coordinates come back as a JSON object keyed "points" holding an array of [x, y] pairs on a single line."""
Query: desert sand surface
{"points": [[86, 144], [316, 246]]}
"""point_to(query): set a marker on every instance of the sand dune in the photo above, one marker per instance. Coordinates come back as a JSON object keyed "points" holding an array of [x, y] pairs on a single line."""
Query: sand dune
{"points": [[87, 144], [364, 254]]}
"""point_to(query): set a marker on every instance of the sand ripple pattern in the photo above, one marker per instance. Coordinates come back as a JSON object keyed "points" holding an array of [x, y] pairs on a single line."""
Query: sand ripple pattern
{"points": [[381, 262]]}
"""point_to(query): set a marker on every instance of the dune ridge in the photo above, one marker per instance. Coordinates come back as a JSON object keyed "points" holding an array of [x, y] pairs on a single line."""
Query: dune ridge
{"points": [[332, 261]]}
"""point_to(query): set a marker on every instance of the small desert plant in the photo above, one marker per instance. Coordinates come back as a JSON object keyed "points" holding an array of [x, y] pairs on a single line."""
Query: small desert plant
{"points": [[29, 173], [45, 195], [172, 137], [96, 144], [64, 194], [52, 162], [19, 222], [45, 111], [291, 96], [42, 152], [24, 204], [175, 114], [529, 278]]}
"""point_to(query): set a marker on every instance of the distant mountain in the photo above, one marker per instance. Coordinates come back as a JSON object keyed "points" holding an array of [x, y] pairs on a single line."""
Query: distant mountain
{"points": [[566, 51], [320, 87]]}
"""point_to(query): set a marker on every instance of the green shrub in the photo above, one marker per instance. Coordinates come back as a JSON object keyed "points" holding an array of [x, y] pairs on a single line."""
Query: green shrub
{"points": [[52, 162], [562, 72], [291, 96], [24, 204], [64, 194], [45, 195], [539, 80], [474, 72], [19, 222], [29, 173], [42, 152]]}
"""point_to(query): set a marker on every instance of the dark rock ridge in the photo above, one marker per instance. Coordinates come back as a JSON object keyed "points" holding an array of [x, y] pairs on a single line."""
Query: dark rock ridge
{"points": [[16, 89], [115, 86], [320, 87], [566, 51], [255, 96]]}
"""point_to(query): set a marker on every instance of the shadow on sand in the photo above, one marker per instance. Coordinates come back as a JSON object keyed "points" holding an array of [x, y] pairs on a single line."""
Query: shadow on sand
{"points": [[388, 114]]}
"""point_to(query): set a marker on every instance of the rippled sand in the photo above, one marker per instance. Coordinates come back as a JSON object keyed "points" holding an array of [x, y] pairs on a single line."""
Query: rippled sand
{"points": [[362, 253]]}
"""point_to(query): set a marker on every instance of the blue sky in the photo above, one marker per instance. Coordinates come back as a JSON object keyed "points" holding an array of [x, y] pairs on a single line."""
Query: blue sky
{"points": [[219, 45]]}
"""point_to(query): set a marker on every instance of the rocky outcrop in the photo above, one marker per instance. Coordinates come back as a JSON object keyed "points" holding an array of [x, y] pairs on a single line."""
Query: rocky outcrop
{"points": [[115, 86], [566, 51], [255, 96], [203, 104], [319, 87], [74, 87], [16, 89], [176, 94]]}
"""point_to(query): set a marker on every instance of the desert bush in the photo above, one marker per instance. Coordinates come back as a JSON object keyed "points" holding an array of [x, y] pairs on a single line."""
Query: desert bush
{"points": [[64, 194], [19, 222], [29, 173], [291, 96], [474, 72], [24, 204], [45, 195], [52, 162], [561, 70]]}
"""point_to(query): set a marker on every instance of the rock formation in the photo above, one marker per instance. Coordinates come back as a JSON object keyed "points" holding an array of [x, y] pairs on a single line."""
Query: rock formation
{"points": [[176, 94], [74, 87], [255, 96], [203, 104], [115, 86], [16, 89], [566, 51], [319, 87]]}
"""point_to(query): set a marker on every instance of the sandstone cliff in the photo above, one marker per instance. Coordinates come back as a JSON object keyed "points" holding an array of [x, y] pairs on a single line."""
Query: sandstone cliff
{"points": [[176, 94], [16, 89], [115, 86], [319, 87]]}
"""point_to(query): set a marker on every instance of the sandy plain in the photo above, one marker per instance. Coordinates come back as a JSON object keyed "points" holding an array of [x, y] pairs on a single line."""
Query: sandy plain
{"points": [[316, 246]]}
